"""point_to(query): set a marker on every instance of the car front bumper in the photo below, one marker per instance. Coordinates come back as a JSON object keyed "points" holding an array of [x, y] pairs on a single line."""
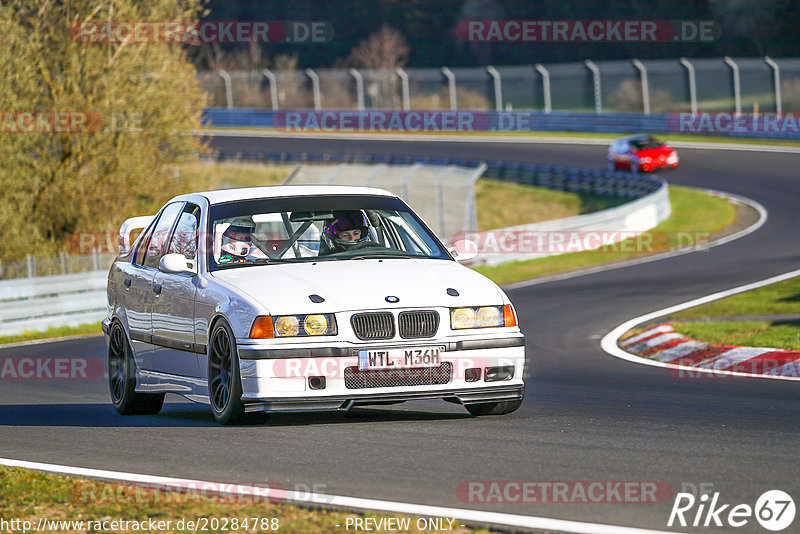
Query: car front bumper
{"points": [[278, 378]]}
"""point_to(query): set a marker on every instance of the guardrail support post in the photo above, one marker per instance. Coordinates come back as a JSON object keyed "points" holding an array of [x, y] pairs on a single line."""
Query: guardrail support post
{"points": [[315, 88], [776, 80], [645, 87], [226, 78], [498, 88], [359, 87], [451, 85], [692, 84], [737, 95], [273, 87], [598, 96], [545, 87], [404, 88]]}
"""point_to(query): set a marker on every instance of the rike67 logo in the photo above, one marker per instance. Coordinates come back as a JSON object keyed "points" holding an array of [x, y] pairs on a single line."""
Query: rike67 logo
{"points": [[774, 510]]}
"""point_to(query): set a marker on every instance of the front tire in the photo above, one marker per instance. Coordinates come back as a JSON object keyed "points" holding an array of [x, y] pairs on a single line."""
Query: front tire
{"points": [[224, 379], [122, 378], [494, 408]]}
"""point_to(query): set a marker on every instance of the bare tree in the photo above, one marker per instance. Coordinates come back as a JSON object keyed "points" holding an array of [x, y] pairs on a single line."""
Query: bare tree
{"points": [[382, 52]]}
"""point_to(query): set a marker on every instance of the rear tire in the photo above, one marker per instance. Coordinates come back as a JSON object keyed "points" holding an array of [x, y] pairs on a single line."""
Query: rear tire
{"points": [[122, 378], [494, 408]]}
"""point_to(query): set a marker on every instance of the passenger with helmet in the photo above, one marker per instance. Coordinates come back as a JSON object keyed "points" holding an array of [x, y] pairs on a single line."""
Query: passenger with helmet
{"points": [[346, 231]]}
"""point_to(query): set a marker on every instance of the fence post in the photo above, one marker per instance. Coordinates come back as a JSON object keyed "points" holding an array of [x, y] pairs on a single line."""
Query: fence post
{"points": [[315, 88], [64, 262], [359, 87], [1, 270], [96, 258], [451, 84], [31, 266], [692, 84], [737, 95], [226, 78], [598, 102], [645, 87], [776, 79], [273, 87], [545, 87], [498, 88], [404, 88]]}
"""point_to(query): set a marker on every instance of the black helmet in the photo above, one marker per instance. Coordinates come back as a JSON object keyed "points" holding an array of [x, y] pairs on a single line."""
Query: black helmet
{"points": [[342, 222]]}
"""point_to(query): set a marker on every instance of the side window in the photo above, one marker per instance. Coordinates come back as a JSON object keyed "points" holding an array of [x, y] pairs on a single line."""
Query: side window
{"points": [[156, 245], [184, 239]]}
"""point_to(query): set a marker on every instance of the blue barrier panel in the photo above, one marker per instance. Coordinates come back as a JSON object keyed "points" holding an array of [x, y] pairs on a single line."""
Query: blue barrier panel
{"points": [[715, 124]]}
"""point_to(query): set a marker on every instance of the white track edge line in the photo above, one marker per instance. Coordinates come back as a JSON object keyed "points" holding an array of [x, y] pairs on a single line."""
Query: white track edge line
{"points": [[763, 215], [317, 499], [609, 341], [488, 139]]}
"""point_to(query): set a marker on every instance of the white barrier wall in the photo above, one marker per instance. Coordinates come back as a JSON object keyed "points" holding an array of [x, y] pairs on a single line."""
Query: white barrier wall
{"points": [[572, 234]]}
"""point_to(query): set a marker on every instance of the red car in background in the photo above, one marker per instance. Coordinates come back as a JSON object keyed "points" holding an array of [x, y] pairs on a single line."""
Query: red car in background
{"points": [[643, 153]]}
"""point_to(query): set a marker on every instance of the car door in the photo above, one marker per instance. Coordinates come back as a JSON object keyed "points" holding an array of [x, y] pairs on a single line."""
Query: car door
{"points": [[153, 252], [173, 302], [137, 282]]}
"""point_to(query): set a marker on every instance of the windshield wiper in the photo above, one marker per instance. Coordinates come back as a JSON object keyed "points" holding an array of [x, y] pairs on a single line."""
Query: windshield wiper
{"points": [[381, 255]]}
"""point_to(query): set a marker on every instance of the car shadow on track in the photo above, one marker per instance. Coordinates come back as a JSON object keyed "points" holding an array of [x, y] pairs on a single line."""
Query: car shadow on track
{"points": [[188, 415]]}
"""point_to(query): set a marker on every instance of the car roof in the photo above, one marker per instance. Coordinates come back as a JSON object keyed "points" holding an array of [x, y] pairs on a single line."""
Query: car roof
{"points": [[274, 191], [637, 137]]}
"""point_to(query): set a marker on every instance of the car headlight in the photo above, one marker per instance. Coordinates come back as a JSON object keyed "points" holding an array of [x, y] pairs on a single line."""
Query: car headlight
{"points": [[482, 317], [293, 326], [647, 159]]}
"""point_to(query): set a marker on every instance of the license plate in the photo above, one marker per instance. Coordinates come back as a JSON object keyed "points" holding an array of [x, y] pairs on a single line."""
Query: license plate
{"points": [[399, 358]]}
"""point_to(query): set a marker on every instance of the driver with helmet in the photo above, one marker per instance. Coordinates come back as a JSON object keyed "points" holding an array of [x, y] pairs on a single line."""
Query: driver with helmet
{"points": [[346, 231]]}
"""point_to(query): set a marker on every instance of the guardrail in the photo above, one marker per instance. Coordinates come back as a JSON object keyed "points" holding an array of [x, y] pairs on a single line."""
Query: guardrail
{"points": [[30, 304], [721, 124]]}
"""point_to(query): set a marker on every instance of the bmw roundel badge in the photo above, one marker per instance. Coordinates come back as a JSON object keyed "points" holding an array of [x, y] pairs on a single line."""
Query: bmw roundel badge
{"points": [[392, 299]]}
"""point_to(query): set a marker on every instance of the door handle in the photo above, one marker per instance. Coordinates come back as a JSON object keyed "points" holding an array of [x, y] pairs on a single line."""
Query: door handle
{"points": [[127, 283], [157, 289]]}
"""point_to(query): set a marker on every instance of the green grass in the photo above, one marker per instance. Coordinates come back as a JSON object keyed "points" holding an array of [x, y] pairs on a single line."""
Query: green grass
{"points": [[30, 495], [207, 175], [744, 333], [779, 299], [503, 204], [696, 216], [59, 331]]}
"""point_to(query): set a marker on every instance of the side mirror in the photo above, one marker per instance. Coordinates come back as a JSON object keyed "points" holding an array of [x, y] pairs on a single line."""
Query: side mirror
{"points": [[176, 264], [464, 250]]}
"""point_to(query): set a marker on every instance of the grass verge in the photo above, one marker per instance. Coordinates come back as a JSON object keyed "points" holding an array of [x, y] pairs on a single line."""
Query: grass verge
{"points": [[765, 317], [27, 495], [54, 332], [696, 217]]}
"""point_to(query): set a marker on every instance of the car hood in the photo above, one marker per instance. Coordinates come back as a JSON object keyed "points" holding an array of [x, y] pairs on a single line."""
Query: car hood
{"points": [[351, 285]]}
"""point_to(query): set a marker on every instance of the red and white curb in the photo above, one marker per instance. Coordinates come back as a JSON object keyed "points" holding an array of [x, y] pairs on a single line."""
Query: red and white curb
{"points": [[663, 344]]}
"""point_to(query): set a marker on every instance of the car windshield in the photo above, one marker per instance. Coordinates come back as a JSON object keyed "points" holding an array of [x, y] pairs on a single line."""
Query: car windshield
{"points": [[649, 142], [316, 228]]}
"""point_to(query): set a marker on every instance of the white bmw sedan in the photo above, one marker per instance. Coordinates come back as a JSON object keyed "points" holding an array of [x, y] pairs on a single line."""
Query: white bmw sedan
{"points": [[286, 299]]}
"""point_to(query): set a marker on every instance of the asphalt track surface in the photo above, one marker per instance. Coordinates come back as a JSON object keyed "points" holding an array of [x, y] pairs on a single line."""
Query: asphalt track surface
{"points": [[587, 416]]}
